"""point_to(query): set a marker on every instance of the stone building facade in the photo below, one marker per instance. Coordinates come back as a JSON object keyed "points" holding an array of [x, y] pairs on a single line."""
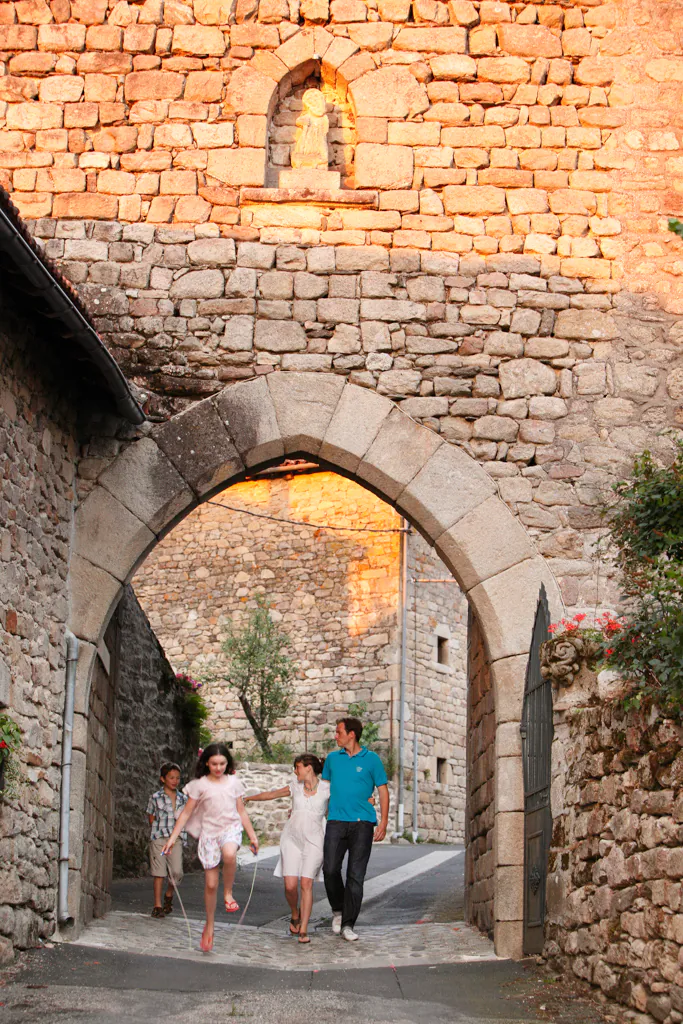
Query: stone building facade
{"points": [[37, 467], [337, 594], [52, 390], [496, 261]]}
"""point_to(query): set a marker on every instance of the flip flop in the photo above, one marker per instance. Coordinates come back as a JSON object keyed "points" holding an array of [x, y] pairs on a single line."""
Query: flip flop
{"points": [[206, 945], [303, 938], [294, 925], [231, 905]]}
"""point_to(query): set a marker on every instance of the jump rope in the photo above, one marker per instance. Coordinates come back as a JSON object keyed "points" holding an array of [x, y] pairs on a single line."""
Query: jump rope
{"points": [[187, 920]]}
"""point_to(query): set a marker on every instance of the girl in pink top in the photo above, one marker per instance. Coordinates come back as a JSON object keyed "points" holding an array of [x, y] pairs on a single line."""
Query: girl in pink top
{"points": [[215, 813]]}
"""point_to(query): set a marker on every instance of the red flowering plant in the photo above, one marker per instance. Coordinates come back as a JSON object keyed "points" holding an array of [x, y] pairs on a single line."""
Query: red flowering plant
{"points": [[188, 682]]}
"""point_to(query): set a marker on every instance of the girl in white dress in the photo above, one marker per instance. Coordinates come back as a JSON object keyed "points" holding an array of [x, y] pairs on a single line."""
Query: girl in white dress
{"points": [[301, 842]]}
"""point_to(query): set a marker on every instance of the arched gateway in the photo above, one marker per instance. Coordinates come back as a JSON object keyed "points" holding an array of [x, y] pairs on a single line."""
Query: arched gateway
{"points": [[444, 493]]}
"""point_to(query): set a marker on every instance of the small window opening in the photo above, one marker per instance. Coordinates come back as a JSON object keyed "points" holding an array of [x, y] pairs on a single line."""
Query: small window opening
{"points": [[441, 770], [442, 650]]}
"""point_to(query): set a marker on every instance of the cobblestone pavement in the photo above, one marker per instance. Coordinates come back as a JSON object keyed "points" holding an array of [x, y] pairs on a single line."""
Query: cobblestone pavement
{"points": [[271, 946]]}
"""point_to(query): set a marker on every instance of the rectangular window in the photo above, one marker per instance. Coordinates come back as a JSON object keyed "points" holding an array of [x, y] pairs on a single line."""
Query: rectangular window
{"points": [[442, 650], [442, 770]]}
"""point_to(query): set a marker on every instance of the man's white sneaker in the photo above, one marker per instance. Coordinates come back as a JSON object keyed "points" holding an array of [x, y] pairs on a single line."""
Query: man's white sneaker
{"points": [[349, 934], [336, 923]]}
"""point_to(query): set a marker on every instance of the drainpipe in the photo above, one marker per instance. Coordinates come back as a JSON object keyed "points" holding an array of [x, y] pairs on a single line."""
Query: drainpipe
{"points": [[403, 608], [63, 916], [415, 782], [415, 778]]}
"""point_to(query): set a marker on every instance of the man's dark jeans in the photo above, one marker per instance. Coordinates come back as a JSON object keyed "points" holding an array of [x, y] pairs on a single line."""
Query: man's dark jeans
{"points": [[356, 838]]}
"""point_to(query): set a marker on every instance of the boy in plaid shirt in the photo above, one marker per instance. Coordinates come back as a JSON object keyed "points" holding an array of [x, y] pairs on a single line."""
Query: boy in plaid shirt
{"points": [[163, 809]]}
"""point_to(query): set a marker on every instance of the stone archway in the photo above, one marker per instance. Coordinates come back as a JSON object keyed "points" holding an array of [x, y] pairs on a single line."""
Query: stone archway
{"points": [[446, 495]]}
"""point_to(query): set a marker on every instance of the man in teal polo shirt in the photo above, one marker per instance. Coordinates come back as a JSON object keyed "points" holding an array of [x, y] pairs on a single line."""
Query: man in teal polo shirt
{"points": [[353, 773]]}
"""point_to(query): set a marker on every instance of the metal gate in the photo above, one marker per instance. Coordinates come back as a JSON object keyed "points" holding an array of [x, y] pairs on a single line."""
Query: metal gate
{"points": [[537, 738]]}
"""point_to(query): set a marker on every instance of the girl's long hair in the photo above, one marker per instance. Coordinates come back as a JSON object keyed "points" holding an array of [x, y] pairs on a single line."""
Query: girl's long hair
{"points": [[310, 760], [213, 750]]}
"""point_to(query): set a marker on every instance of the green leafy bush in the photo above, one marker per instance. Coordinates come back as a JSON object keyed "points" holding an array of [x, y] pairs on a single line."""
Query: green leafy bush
{"points": [[193, 709], [645, 520]]}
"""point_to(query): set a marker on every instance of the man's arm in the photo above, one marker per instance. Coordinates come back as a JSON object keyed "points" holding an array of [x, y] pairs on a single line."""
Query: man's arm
{"points": [[381, 830]]}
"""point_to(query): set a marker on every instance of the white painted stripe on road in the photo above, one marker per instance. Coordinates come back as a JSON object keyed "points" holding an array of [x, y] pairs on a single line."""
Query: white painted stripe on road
{"points": [[377, 886]]}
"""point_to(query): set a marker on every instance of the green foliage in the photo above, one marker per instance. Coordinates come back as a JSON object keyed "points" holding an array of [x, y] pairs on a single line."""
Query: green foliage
{"points": [[10, 741], [259, 671], [10, 736], [676, 226], [645, 521], [359, 709], [192, 707]]}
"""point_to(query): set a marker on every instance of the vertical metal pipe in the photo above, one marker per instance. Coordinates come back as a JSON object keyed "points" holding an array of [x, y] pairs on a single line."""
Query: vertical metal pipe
{"points": [[72, 645], [403, 612], [391, 723], [415, 751]]}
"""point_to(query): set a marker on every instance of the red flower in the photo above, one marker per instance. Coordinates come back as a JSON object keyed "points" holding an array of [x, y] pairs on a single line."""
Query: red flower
{"points": [[3, 745], [609, 651]]}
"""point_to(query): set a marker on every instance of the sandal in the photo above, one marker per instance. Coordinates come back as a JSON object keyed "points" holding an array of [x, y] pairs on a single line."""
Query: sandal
{"points": [[303, 938], [294, 925], [158, 912], [231, 905], [168, 904], [206, 945]]}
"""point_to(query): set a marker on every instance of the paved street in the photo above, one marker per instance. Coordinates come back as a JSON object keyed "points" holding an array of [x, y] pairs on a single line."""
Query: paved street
{"points": [[416, 961]]}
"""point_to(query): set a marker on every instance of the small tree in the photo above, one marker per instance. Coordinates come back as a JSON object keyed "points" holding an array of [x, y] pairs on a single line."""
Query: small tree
{"points": [[259, 671]]}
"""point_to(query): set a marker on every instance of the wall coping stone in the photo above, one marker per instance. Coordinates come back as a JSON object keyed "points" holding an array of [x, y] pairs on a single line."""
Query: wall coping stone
{"points": [[328, 197]]}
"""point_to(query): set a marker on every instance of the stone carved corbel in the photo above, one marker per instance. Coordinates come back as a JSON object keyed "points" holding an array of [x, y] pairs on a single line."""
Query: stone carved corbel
{"points": [[563, 657]]}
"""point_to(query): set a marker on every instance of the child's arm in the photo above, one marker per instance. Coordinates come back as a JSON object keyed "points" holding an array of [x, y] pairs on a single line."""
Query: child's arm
{"points": [[152, 818], [270, 794], [180, 822], [248, 827]]}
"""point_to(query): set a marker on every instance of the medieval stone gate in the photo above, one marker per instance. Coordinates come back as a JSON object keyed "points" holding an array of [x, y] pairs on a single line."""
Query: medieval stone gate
{"points": [[496, 260], [156, 480]]}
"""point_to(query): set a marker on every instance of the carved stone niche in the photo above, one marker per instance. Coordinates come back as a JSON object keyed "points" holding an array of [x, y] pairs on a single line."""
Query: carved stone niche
{"points": [[311, 137]]}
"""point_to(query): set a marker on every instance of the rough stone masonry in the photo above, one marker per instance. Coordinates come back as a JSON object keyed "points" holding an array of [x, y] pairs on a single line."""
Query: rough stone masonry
{"points": [[496, 260]]}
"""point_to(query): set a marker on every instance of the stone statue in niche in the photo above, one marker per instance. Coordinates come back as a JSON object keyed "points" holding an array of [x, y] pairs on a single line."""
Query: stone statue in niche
{"points": [[310, 149]]}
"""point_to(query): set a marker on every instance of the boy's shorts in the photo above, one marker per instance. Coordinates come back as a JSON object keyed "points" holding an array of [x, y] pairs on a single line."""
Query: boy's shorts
{"points": [[159, 865]]}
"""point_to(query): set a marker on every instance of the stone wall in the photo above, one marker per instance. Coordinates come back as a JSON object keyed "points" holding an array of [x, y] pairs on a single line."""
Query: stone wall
{"points": [[481, 766], [268, 818], [497, 259], [38, 450], [336, 593], [614, 889], [100, 769], [436, 611], [149, 730]]}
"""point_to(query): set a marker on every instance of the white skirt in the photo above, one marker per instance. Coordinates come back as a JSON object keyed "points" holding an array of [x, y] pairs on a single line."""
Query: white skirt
{"points": [[301, 847]]}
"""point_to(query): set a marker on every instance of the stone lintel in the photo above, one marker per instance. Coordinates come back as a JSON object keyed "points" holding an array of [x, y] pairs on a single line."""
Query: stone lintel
{"points": [[321, 196]]}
